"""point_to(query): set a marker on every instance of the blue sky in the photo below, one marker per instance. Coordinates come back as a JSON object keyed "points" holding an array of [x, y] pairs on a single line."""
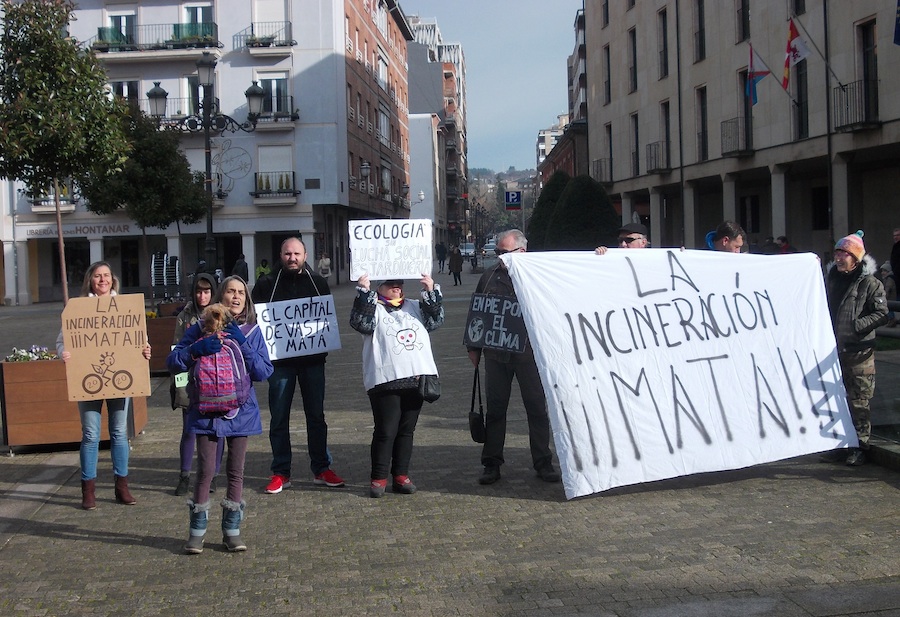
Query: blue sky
{"points": [[516, 53]]}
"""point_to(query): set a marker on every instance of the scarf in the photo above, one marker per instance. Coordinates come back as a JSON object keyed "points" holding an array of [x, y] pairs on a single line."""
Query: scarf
{"points": [[393, 303]]}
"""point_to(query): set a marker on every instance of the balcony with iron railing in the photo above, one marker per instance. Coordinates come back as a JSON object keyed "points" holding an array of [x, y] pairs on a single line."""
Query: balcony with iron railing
{"points": [[267, 38], [601, 170], [275, 188], [155, 37], [737, 137], [658, 157], [278, 112], [45, 203], [856, 105]]}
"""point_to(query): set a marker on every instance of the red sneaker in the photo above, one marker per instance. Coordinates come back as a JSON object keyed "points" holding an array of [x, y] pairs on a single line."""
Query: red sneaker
{"points": [[329, 478], [403, 485], [277, 483], [376, 488]]}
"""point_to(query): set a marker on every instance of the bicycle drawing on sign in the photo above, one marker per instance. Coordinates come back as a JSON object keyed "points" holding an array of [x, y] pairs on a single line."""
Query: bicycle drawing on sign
{"points": [[105, 375]]}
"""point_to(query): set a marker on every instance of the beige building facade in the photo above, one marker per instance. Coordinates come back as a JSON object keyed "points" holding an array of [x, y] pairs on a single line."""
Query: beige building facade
{"points": [[675, 138]]}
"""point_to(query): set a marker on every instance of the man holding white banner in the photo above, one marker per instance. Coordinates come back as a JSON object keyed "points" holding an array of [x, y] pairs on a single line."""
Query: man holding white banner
{"points": [[699, 361]]}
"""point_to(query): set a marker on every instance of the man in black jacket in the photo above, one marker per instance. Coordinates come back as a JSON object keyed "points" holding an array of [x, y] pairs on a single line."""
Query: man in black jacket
{"points": [[295, 279]]}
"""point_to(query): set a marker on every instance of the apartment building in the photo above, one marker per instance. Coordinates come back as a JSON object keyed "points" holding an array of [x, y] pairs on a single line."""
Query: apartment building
{"points": [[330, 145], [675, 137], [438, 72]]}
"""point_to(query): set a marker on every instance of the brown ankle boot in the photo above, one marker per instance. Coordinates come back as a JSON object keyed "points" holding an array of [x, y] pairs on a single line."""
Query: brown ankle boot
{"points": [[87, 495], [122, 494]]}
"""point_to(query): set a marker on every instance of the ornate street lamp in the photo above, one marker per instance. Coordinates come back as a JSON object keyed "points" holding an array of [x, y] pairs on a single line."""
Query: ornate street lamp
{"points": [[210, 120]]}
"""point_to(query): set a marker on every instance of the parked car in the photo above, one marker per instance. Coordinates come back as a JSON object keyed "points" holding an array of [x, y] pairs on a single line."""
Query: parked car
{"points": [[488, 249], [467, 249]]}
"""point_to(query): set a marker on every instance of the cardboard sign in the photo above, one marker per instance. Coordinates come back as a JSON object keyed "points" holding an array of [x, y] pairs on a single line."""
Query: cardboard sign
{"points": [[299, 327], [390, 249], [495, 322], [106, 336], [661, 363]]}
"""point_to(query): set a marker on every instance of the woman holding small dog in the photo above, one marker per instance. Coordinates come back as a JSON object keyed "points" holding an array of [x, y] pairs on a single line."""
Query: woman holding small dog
{"points": [[204, 290], [239, 324], [396, 351]]}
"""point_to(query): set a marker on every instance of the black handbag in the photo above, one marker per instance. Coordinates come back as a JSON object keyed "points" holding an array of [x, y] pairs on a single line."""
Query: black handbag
{"points": [[476, 418], [429, 388]]}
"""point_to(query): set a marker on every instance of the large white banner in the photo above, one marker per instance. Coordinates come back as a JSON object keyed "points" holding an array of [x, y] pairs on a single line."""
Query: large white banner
{"points": [[390, 248], [660, 363], [299, 327]]}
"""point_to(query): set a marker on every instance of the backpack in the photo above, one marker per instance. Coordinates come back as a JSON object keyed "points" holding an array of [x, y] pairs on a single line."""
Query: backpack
{"points": [[219, 382]]}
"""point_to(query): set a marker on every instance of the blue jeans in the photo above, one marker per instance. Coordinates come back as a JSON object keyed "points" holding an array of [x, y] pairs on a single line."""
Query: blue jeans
{"points": [[282, 383], [90, 436]]}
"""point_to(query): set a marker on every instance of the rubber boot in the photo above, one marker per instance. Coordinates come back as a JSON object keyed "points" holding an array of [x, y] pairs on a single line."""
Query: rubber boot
{"points": [[199, 521], [123, 495], [232, 515], [88, 502]]}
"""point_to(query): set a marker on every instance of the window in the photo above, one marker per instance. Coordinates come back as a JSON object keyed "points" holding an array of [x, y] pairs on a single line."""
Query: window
{"points": [[869, 60], [604, 14], [192, 103], [607, 129], [801, 100], [629, 5], [277, 100], [798, 7], [662, 23], [127, 91], [635, 147], [632, 60], [743, 20], [276, 169], [702, 120], [699, 31], [123, 25], [665, 122], [607, 88], [198, 14], [382, 72]]}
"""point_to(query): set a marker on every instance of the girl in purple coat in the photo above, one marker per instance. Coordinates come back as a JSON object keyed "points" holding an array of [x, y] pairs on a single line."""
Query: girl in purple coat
{"points": [[210, 428]]}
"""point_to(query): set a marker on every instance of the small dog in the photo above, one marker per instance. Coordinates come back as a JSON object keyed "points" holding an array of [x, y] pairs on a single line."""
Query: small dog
{"points": [[215, 317]]}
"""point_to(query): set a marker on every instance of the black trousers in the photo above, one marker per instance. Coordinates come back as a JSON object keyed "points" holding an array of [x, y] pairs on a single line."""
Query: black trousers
{"points": [[499, 374], [396, 413]]}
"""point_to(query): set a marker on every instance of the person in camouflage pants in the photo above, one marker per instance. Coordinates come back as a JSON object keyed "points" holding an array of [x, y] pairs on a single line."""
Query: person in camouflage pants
{"points": [[858, 305]]}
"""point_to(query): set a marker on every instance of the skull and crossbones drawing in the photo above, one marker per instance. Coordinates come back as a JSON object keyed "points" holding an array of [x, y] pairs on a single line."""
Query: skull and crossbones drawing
{"points": [[406, 337]]}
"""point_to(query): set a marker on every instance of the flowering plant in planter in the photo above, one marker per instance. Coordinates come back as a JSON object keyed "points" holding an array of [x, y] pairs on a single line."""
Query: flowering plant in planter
{"points": [[28, 355]]}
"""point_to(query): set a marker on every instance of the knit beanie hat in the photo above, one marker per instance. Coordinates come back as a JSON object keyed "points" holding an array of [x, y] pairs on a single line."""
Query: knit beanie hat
{"points": [[853, 244]]}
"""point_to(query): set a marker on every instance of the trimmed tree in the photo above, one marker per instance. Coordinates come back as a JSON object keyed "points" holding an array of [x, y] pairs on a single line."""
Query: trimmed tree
{"points": [[56, 121], [543, 209], [155, 187], [583, 219]]}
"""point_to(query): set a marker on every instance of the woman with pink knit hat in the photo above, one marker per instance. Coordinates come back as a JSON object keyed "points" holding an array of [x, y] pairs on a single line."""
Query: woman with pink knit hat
{"points": [[858, 305]]}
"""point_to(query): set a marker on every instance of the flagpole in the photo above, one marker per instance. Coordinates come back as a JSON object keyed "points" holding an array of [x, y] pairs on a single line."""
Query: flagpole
{"points": [[786, 93], [816, 47]]}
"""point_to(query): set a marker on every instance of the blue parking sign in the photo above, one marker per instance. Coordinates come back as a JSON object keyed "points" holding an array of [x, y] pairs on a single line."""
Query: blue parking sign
{"points": [[513, 200]]}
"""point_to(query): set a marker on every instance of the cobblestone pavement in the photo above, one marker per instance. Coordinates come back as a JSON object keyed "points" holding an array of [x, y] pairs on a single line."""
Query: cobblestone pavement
{"points": [[792, 538]]}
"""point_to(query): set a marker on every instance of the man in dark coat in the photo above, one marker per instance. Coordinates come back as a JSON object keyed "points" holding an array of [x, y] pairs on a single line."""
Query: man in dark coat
{"points": [[295, 279]]}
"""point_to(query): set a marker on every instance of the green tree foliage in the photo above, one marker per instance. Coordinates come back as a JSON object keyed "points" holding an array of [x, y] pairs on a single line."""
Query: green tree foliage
{"points": [[155, 187], [583, 219], [543, 209], [56, 121]]}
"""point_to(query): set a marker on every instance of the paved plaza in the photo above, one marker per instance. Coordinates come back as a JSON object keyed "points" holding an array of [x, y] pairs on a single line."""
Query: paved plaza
{"points": [[793, 538]]}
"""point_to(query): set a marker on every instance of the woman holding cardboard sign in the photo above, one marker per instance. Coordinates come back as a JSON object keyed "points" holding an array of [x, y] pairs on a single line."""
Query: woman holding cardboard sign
{"points": [[100, 281]]}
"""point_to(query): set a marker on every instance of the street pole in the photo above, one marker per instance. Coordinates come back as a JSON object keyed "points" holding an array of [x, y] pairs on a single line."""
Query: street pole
{"points": [[210, 240]]}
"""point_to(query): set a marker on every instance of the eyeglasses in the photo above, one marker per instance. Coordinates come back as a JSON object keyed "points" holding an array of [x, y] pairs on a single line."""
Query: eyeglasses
{"points": [[629, 239], [499, 252]]}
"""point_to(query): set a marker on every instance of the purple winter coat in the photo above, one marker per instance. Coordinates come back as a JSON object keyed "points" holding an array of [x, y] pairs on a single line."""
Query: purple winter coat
{"points": [[248, 421]]}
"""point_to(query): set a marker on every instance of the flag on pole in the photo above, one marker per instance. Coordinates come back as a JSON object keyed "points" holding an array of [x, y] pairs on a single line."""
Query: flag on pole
{"points": [[796, 51], [756, 71]]}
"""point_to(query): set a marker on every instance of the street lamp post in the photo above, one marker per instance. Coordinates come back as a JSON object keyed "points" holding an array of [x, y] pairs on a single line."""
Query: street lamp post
{"points": [[211, 119]]}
